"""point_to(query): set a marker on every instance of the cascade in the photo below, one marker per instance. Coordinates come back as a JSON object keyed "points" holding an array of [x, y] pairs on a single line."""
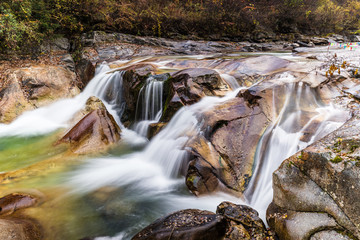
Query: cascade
{"points": [[105, 85], [287, 135], [149, 105], [149, 178], [230, 80]]}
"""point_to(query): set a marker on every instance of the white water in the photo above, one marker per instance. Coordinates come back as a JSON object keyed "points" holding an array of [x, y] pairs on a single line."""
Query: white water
{"points": [[283, 138], [106, 86], [230, 80], [152, 174], [149, 106]]}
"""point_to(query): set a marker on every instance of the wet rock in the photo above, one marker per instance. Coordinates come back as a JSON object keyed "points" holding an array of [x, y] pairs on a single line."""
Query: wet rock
{"points": [[231, 222], [33, 87], [243, 222], [15, 201], [85, 71], [94, 133], [155, 128], [188, 86], [315, 190], [134, 79], [223, 161], [186, 224], [20, 229]]}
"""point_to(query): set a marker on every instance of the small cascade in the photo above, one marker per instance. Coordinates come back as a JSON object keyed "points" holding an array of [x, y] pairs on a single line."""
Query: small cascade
{"points": [[149, 105], [105, 85], [230, 80], [294, 128], [162, 157]]}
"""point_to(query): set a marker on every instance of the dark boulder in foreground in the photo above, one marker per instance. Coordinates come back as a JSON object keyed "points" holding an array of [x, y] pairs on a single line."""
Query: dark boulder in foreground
{"points": [[185, 224], [231, 222], [316, 191]]}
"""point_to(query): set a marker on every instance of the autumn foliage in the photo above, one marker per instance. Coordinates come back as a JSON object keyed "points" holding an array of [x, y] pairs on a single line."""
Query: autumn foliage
{"points": [[28, 22]]}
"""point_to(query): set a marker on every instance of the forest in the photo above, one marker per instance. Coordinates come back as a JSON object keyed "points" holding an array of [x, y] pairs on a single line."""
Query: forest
{"points": [[25, 23]]}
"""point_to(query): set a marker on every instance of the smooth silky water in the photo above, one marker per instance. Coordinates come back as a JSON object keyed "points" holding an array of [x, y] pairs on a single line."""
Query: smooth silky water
{"points": [[119, 193]]}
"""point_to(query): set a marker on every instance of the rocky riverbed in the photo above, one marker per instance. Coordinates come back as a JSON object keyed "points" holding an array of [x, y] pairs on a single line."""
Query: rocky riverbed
{"points": [[221, 118]]}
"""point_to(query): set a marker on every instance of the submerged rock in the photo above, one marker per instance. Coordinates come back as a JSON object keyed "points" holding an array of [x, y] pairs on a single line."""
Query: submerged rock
{"points": [[315, 191], [15, 201], [29, 88]]}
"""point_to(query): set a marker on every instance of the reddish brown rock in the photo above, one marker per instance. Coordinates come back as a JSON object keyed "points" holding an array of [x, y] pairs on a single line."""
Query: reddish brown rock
{"points": [[29, 88], [94, 133], [15, 201], [188, 86]]}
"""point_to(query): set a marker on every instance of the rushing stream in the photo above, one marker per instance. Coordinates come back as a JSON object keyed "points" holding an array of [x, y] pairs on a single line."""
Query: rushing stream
{"points": [[121, 192]]}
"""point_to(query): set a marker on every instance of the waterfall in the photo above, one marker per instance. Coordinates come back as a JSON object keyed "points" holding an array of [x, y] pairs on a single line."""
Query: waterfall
{"points": [[105, 85], [286, 136], [148, 178], [149, 105], [161, 158]]}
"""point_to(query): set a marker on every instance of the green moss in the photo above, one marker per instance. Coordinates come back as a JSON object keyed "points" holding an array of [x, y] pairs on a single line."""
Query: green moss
{"points": [[336, 159], [353, 148]]}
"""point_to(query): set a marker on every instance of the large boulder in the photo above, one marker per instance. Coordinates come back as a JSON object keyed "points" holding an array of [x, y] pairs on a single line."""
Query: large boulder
{"points": [[189, 224], [95, 132], [231, 222], [222, 161], [188, 86], [32, 87], [315, 191]]}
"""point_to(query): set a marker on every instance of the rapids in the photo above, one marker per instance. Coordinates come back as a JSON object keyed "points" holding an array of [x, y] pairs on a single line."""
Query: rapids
{"points": [[140, 180]]}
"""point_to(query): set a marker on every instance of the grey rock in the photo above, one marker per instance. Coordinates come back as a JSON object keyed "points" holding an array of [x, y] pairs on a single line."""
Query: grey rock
{"points": [[329, 235], [68, 62]]}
